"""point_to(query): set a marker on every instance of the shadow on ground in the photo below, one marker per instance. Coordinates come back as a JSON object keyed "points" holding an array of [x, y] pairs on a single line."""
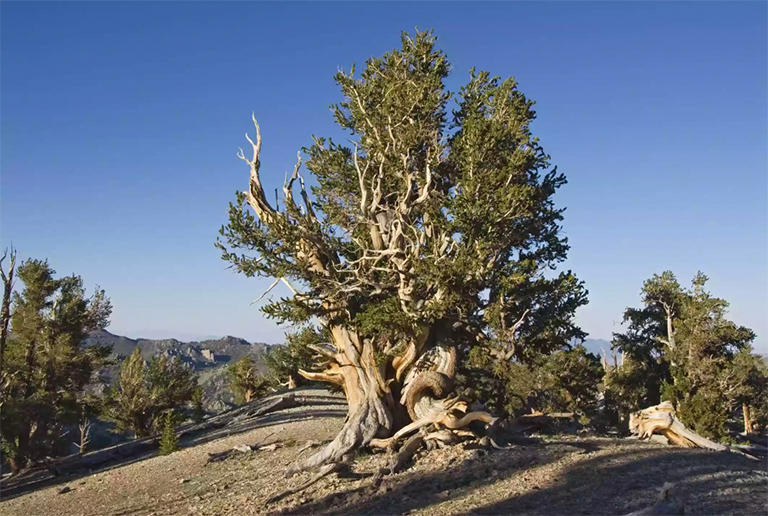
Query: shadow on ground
{"points": [[599, 482]]}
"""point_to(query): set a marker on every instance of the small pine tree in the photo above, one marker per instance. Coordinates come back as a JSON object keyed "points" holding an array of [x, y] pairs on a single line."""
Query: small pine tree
{"points": [[245, 380], [198, 411], [145, 391], [284, 362], [169, 441]]}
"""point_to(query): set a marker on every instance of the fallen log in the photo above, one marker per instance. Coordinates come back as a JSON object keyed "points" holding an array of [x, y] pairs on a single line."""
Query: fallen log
{"points": [[660, 420]]}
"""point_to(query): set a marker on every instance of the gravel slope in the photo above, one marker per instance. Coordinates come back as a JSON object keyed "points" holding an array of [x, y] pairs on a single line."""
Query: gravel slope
{"points": [[557, 476]]}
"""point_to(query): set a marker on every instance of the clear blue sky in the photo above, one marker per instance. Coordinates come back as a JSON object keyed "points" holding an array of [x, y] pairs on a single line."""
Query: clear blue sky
{"points": [[120, 123]]}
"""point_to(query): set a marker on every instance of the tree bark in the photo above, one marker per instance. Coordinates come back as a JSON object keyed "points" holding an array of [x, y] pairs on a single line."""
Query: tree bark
{"points": [[670, 330], [660, 419], [747, 419], [369, 399], [389, 400]]}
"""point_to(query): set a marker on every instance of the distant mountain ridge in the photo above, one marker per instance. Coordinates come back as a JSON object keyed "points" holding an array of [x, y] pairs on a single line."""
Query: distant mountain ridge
{"points": [[596, 346], [209, 358], [198, 354]]}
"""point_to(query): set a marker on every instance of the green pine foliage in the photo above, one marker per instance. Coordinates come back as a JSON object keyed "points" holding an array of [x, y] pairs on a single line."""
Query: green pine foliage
{"points": [[144, 391], [681, 347], [169, 441], [45, 366], [198, 410], [284, 362], [563, 381], [469, 192], [246, 382]]}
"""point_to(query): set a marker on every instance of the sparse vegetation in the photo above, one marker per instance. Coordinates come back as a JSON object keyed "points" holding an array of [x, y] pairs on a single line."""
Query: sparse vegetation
{"points": [[44, 367], [246, 382], [145, 391], [169, 441]]}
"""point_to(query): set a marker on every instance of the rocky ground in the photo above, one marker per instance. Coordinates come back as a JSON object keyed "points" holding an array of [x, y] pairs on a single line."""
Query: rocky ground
{"points": [[554, 475]]}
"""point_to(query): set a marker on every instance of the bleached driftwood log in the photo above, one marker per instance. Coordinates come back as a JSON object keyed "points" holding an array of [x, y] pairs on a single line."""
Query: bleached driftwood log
{"points": [[660, 419]]}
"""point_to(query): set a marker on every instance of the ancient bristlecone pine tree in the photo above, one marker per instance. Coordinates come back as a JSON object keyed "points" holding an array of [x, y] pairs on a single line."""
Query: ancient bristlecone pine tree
{"points": [[425, 236]]}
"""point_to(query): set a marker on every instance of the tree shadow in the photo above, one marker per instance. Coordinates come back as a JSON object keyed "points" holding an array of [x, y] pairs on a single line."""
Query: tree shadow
{"points": [[613, 482], [411, 490], [625, 481]]}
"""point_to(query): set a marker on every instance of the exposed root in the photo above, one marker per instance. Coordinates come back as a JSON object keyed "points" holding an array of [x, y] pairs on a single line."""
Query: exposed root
{"points": [[324, 472], [441, 418], [358, 431], [488, 442], [452, 422], [443, 437], [406, 452]]}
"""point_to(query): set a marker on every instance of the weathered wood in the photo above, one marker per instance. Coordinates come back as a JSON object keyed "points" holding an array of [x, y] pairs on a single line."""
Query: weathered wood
{"points": [[406, 452], [660, 419]]}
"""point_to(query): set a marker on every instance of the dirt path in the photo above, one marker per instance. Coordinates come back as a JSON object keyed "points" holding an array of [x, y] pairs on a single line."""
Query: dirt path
{"points": [[560, 476]]}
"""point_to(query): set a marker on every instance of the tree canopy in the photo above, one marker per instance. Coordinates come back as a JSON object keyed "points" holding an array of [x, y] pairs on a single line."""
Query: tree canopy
{"points": [[433, 228], [681, 347], [45, 368]]}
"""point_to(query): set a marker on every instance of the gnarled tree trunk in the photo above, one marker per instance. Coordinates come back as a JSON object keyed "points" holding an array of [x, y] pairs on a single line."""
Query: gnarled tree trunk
{"points": [[388, 400]]}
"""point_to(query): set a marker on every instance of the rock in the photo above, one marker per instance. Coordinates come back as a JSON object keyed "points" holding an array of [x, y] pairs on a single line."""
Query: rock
{"points": [[65, 489], [183, 481]]}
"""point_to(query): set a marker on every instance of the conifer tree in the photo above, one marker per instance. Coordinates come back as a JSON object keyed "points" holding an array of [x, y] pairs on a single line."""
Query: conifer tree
{"points": [[144, 391], [245, 380], [169, 441], [683, 349], [433, 231], [198, 411], [44, 365], [285, 362]]}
